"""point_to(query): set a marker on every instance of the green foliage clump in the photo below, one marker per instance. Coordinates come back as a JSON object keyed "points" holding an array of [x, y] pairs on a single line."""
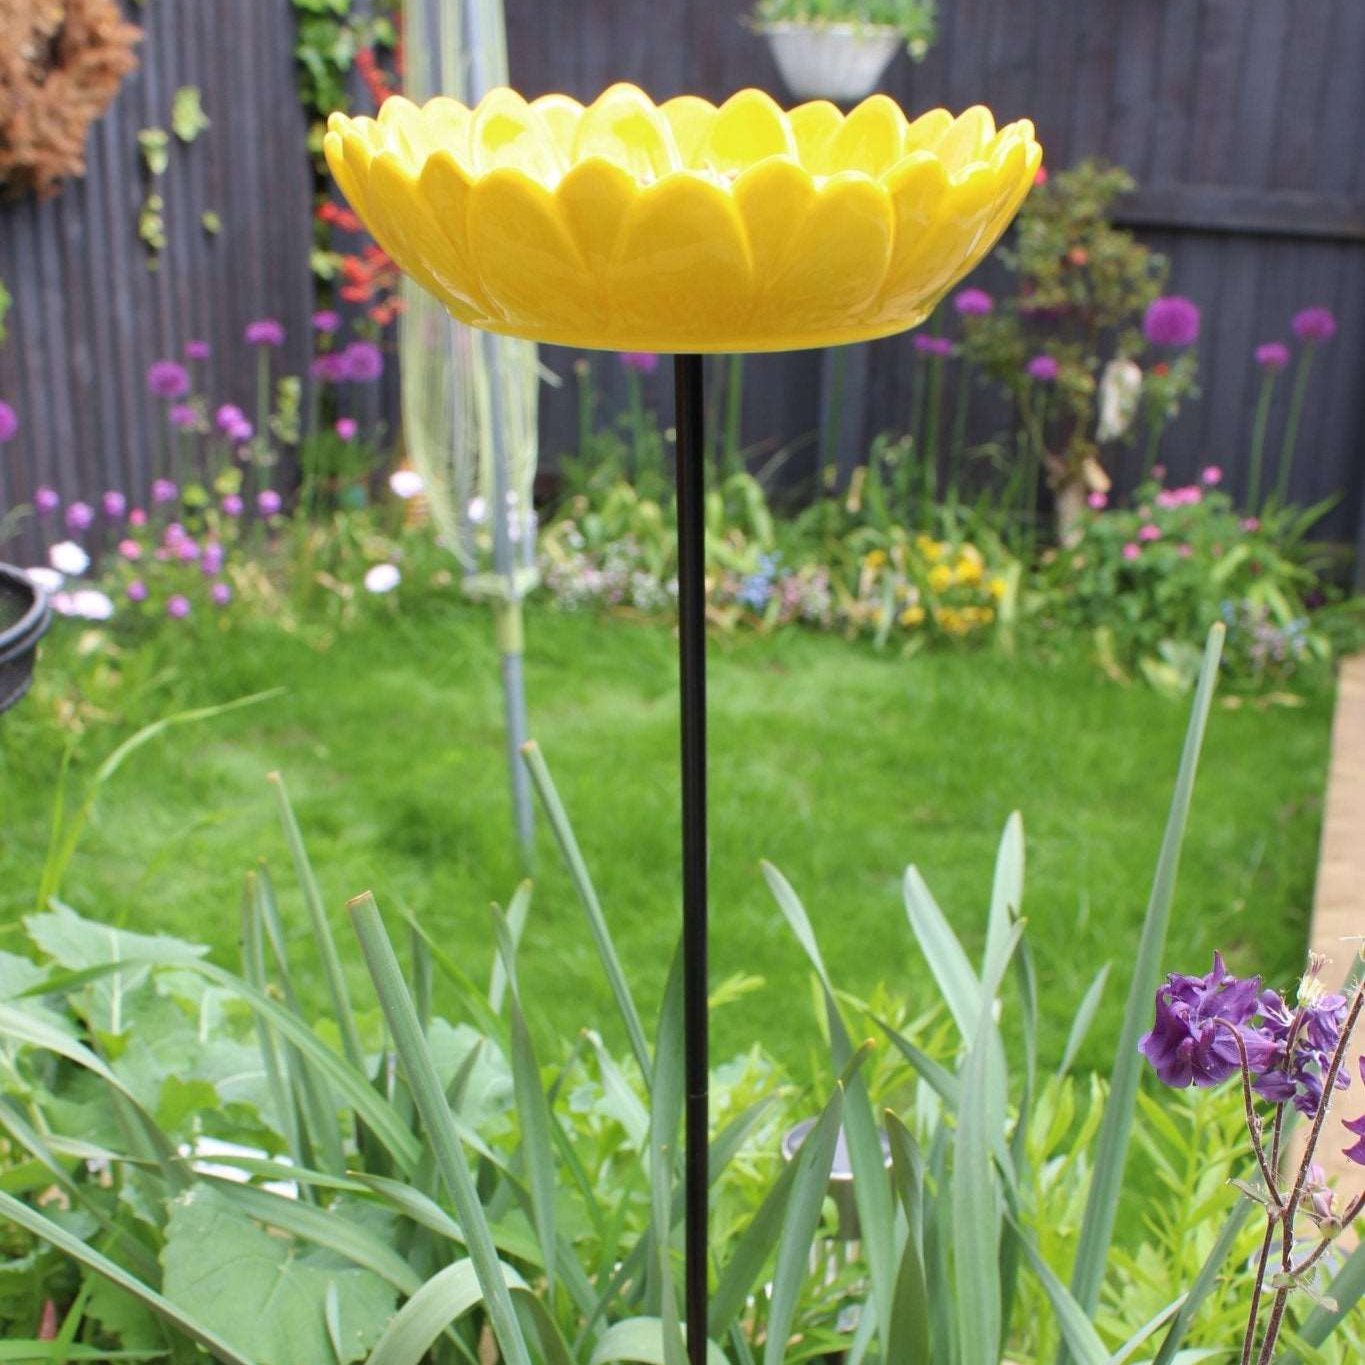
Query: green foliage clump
{"points": [[915, 20]]}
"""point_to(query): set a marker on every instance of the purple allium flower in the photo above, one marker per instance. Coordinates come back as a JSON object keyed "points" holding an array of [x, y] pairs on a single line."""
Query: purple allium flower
{"points": [[182, 416], [197, 350], [167, 379], [1356, 1127], [228, 416], [363, 362], [46, 500], [79, 516], [173, 534], [187, 550], [974, 303], [136, 591], [239, 433], [346, 428], [232, 505], [114, 505], [211, 559], [1171, 321], [642, 362], [163, 490], [268, 502], [130, 549], [1314, 325], [326, 320], [932, 345], [1192, 1042], [1274, 355], [221, 594], [178, 606], [1043, 368], [330, 368], [264, 332], [9, 423]]}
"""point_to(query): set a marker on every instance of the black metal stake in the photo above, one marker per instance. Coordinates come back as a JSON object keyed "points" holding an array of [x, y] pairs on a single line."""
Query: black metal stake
{"points": [[690, 424]]}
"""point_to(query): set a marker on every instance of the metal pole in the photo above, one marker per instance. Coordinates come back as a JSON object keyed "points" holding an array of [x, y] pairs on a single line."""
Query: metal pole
{"points": [[690, 422]]}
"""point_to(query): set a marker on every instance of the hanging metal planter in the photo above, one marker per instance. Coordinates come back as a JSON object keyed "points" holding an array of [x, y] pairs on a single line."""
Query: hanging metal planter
{"points": [[24, 618]]}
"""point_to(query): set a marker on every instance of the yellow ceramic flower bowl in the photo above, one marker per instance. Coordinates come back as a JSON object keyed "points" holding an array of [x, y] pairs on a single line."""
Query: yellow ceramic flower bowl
{"points": [[682, 227]]}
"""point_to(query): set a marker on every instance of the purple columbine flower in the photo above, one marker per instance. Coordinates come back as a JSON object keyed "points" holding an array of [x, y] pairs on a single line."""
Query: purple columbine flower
{"points": [[1296, 1073], [1356, 1127], [363, 362], [114, 505], [1314, 325], [46, 500], [197, 350], [167, 379], [1192, 1041], [326, 320], [9, 423], [1043, 368], [346, 428], [136, 591], [268, 502], [178, 606], [264, 332], [232, 505], [932, 345], [642, 362], [163, 491], [182, 416], [221, 594], [1272, 356], [1172, 321], [330, 368], [79, 516], [973, 303]]}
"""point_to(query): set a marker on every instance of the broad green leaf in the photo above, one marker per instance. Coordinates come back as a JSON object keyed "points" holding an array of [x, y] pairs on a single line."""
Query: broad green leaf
{"points": [[517, 910], [944, 953], [909, 1343], [621, 1101], [1007, 893], [641, 1340], [1077, 1332], [1111, 1153]]}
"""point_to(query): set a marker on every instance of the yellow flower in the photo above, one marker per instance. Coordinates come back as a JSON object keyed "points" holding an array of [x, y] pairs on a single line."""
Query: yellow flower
{"points": [[682, 226], [912, 616], [998, 588], [968, 569], [941, 577], [930, 548], [874, 559]]}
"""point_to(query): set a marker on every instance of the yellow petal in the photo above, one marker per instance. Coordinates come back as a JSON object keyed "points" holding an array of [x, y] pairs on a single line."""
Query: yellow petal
{"points": [[836, 261], [814, 127], [748, 128], [446, 127], [561, 116], [871, 139], [683, 265], [690, 117], [507, 132], [966, 140], [530, 268], [446, 188], [773, 198], [594, 200], [917, 188], [928, 130], [623, 127]]}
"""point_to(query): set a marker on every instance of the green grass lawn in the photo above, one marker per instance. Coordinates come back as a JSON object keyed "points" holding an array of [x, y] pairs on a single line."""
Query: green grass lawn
{"points": [[839, 764]]}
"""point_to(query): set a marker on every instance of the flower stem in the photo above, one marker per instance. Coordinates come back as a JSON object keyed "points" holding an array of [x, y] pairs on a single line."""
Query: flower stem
{"points": [[931, 429], [959, 443], [1258, 442], [1258, 1286], [263, 411], [734, 411], [1291, 427]]}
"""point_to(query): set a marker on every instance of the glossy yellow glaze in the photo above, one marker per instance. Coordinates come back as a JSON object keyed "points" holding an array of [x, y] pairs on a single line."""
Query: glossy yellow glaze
{"points": [[683, 226]]}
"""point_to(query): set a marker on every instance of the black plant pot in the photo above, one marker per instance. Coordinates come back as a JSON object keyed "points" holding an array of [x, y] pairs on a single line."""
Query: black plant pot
{"points": [[24, 617]]}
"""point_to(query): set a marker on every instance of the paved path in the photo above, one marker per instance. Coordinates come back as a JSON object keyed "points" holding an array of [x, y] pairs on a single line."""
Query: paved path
{"points": [[1339, 903]]}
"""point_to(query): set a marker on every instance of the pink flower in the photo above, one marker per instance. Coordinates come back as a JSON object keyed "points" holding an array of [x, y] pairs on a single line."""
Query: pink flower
{"points": [[1131, 550], [1314, 325], [130, 549], [9, 423], [197, 350], [1098, 501], [46, 500], [221, 594], [228, 416], [1250, 523], [79, 516], [1185, 551], [178, 607], [1158, 472], [973, 303], [264, 332], [642, 362], [1169, 497], [1149, 532], [1272, 356], [1043, 368], [268, 502], [1212, 475], [137, 517], [346, 428], [232, 505], [114, 504], [163, 490], [136, 591]]}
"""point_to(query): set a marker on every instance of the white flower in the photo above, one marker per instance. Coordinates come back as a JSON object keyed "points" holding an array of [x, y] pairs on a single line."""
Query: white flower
{"points": [[382, 578], [477, 510], [88, 603], [1120, 389], [49, 580], [67, 557], [406, 483]]}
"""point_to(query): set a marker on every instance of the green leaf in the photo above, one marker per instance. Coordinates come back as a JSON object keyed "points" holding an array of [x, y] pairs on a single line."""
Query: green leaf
{"points": [[262, 1292], [909, 1342], [641, 1340], [1111, 1152], [1080, 1337], [187, 113], [1085, 1016], [517, 910], [1007, 893]]}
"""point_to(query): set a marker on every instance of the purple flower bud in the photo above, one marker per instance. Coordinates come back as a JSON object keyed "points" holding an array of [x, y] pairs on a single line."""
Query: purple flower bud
{"points": [[364, 362], [9, 423], [268, 502], [114, 505], [46, 500], [221, 594], [232, 505], [1172, 321], [136, 591], [167, 379], [1314, 325], [79, 516], [197, 350], [974, 303], [1043, 368], [642, 362], [163, 490], [326, 320], [1274, 355], [178, 606], [264, 332]]}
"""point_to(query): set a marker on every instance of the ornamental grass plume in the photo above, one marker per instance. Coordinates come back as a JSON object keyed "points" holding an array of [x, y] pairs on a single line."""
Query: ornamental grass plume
{"points": [[1210, 1029]]}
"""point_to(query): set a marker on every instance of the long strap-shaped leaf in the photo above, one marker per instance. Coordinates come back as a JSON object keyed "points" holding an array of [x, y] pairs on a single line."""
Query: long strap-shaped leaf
{"points": [[665, 1120], [429, 1097], [1111, 1153], [34, 1222], [641, 1340]]}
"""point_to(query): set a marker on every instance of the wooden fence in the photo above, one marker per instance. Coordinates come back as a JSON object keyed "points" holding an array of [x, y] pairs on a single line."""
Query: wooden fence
{"points": [[1240, 118]]}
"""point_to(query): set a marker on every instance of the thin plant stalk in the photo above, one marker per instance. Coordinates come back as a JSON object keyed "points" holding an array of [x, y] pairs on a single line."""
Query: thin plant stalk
{"points": [[1258, 434], [932, 421], [734, 412], [1156, 428], [1291, 426], [587, 405], [263, 414], [957, 450]]}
